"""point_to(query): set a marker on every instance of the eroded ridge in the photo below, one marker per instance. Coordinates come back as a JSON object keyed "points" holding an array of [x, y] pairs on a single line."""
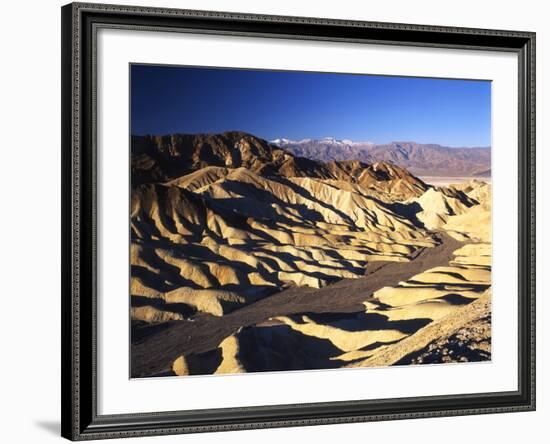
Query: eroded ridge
{"points": [[265, 262]]}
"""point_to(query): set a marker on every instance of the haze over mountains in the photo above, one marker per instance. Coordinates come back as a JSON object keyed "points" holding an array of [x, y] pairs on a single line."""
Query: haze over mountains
{"points": [[420, 159], [247, 257], [160, 159]]}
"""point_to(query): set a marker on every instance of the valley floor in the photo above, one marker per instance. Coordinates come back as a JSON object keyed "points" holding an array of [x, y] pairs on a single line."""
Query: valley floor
{"points": [[450, 180], [353, 322], [247, 258]]}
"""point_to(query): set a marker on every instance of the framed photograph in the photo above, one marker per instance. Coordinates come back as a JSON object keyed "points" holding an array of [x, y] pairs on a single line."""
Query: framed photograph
{"points": [[281, 221]]}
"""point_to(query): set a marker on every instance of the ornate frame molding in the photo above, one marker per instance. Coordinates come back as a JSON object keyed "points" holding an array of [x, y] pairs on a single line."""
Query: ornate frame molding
{"points": [[80, 22]]}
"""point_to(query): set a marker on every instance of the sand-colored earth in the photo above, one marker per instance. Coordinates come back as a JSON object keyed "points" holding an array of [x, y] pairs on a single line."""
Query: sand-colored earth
{"points": [[396, 323], [230, 235], [315, 266]]}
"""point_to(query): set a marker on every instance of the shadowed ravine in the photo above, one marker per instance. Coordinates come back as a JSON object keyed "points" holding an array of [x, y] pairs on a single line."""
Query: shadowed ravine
{"points": [[247, 258], [157, 346]]}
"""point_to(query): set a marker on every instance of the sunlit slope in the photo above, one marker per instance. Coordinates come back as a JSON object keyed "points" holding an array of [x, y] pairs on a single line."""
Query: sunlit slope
{"points": [[222, 223], [448, 306], [161, 159], [440, 315], [217, 238]]}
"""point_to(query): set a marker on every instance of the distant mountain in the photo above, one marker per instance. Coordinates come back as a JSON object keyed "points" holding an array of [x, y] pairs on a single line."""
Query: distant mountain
{"points": [[224, 223], [326, 149], [161, 158], [167, 159], [419, 159]]}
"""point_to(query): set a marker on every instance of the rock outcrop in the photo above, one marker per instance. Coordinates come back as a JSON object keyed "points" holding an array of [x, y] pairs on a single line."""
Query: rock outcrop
{"points": [[221, 224]]}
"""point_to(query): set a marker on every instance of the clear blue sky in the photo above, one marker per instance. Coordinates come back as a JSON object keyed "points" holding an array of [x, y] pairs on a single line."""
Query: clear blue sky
{"points": [[297, 105]]}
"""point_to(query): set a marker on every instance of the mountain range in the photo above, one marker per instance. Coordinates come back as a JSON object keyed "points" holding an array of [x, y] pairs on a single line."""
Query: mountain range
{"points": [[164, 158], [246, 257], [420, 159]]}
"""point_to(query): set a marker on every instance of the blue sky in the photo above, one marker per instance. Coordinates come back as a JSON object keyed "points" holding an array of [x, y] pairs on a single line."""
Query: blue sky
{"points": [[297, 105]]}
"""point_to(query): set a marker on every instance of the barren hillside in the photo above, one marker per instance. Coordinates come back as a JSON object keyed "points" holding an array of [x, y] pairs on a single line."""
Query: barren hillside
{"points": [[245, 257]]}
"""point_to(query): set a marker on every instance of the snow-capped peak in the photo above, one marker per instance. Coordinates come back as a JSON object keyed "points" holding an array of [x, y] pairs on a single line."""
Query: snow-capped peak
{"points": [[325, 140], [281, 141]]}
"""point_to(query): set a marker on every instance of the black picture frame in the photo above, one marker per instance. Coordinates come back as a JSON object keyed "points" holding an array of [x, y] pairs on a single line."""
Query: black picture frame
{"points": [[80, 420]]}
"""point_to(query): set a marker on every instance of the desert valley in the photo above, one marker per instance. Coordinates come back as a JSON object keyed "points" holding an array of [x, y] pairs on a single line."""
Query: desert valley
{"points": [[247, 257]]}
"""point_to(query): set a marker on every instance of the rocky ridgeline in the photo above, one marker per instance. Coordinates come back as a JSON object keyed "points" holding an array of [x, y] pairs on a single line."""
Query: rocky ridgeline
{"points": [[219, 222]]}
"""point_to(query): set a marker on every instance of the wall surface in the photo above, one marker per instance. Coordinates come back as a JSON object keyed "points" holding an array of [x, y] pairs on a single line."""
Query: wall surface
{"points": [[30, 222]]}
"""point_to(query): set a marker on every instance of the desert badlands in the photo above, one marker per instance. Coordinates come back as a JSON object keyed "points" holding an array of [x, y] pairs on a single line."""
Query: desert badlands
{"points": [[246, 258]]}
